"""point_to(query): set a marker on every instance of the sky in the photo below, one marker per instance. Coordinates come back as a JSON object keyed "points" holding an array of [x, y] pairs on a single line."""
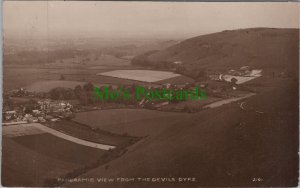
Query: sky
{"points": [[42, 19]]}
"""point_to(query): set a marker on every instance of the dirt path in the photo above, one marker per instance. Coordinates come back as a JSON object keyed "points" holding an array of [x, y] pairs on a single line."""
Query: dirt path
{"points": [[71, 138], [227, 101]]}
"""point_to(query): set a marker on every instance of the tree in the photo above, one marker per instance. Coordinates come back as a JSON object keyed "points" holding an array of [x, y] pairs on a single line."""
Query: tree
{"points": [[62, 77], [88, 86], [201, 74], [180, 69], [61, 93], [30, 106], [233, 81], [78, 90], [186, 108]]}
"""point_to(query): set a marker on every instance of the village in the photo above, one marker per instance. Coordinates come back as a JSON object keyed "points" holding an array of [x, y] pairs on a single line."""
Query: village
{"points": [[42, 111]]}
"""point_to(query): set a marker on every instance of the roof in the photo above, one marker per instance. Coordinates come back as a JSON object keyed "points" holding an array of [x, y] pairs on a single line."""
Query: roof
{"points": [[11, 112]]}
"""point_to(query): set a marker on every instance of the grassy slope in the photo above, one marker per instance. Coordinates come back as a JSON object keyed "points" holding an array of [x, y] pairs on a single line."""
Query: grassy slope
{"points": [[217, 149], [131, 121], [29, 160], [258, 47], [30, 169], [85, 133]]}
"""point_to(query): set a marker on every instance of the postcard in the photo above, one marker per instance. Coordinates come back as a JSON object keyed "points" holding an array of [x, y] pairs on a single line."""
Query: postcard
{"points": [[150, 94]]}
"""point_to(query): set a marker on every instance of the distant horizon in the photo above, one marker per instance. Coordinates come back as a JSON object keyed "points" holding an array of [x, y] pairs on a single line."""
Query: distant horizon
{"points": [[134, 38], [140, 20]]}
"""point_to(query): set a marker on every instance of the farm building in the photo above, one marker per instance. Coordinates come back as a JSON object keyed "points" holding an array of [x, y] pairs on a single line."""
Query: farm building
{"points": [[55, 106]]}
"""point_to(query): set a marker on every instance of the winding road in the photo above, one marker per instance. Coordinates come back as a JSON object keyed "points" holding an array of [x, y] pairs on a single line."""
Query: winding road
{"points": [[71, 138], [227, 101], [37, 128]]}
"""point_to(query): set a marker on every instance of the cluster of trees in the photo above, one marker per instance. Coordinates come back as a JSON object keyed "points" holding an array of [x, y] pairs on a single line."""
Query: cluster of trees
{"points": [[199, 74], [83, 93], [143, 60]]}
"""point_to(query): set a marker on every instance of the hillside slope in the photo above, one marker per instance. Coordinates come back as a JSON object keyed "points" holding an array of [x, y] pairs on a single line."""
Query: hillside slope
{"points": [[256, 47], [223, 146]]}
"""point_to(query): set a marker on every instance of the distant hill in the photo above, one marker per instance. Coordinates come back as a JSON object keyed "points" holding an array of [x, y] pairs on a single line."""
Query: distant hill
{"points": [[256, 47]]}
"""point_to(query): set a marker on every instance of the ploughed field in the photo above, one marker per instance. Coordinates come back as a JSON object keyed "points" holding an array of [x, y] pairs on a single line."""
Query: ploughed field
{"points": [[140, 75]]}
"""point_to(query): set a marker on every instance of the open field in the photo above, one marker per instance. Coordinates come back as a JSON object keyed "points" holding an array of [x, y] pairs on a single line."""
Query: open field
{"points": [[140, 75], [134, 122], [29, 160], [22, 76], [176, 80], [20, 130], [22, 166], [36, 78], [47, 144], [196, 104], [43, 78], [90, 61], [84, 132]]}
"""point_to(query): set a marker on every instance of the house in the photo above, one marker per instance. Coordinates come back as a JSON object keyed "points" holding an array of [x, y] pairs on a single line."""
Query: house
{"points": [[11, 112], [54, 119], [36, 112], [41, 119], [35, 119], [47, 105], [214, 77], [244, 68], [8, 115], [177, 62], [167, 85]]}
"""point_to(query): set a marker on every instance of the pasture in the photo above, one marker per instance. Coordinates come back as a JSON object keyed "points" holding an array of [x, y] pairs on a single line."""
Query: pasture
{"points": [[91, 60], [44, 79], [140, 75], [21, 76], [82, 69], [134, 122], [20, 130]]}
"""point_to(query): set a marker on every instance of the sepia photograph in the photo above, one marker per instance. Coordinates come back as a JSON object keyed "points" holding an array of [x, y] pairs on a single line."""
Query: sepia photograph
{"points": [[150, 94]]}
